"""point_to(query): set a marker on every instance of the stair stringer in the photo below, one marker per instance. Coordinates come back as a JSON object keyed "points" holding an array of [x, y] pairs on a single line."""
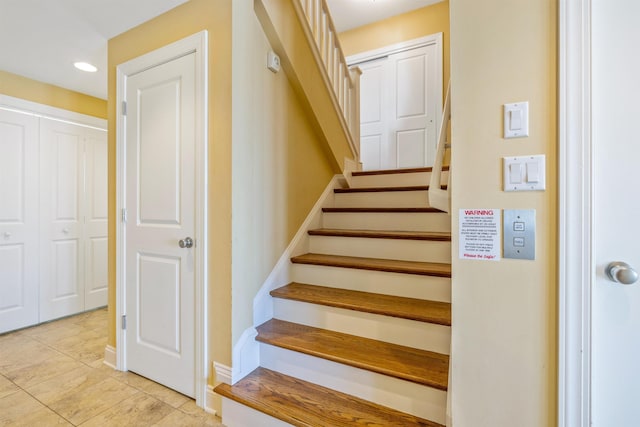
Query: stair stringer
{"points": [[246, 352]]}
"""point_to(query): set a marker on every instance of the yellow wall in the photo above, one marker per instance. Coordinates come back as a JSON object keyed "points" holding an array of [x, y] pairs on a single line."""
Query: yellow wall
{"points": [[408, 26], [43, 93], [185, 20], [280, 167], [504, 313]]}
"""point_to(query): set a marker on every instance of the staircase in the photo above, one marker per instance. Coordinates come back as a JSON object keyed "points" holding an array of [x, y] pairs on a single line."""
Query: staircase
{"points": [[361, 335]]}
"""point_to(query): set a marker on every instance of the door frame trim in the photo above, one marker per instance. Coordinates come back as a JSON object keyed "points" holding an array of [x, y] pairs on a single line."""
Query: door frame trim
{"points": [[575, 214], [197, 44]]}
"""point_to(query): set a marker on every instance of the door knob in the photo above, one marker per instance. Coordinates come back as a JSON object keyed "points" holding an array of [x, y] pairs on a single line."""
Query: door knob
{"points": [[187, 242], [621, 272]]}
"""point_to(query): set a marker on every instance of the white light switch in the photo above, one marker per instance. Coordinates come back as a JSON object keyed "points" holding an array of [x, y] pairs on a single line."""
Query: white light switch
{"points": [[524, 173], [532, 172], [516, 120]]}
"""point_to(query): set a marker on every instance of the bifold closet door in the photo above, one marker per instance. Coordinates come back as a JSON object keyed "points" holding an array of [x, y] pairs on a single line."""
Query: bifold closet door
{"points": [[95, 205], [18, 220], [73, 219]]}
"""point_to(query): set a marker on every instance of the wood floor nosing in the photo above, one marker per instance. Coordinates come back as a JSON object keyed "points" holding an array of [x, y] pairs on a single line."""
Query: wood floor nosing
{"points": [[382, 210], [395, 171], [303, 404], [419, 366], [376, 264], [436, 236], [386, 305]]}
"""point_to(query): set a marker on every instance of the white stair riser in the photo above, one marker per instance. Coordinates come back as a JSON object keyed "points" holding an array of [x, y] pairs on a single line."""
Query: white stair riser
{"points": [[385, 199], [395, 180], [399, 249], [404, 221], [381, 282], [404, 396], [235, 414], [410, 333]]}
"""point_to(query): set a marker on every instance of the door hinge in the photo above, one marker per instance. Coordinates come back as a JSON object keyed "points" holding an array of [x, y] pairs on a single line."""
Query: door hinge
{"points": [[124, 321], [124, 108], [124, 215]]}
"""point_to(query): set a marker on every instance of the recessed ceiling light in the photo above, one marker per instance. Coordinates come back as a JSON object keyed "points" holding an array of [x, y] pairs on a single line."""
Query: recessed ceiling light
{"points": [[85, 66]]}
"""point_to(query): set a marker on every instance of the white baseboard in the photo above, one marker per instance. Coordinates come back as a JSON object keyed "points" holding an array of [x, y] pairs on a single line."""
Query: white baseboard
{"points": [[223, 373], [350, 165], [110, 357], [210, 399]]}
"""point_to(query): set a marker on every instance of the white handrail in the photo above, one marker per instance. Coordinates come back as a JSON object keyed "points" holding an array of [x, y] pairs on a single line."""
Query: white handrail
{"points": [[344, 82], [440, 198]]}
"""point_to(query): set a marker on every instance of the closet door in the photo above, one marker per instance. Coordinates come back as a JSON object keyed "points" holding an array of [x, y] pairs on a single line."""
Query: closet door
{"points": [[95, 203], [61, 188], [18, 220]]}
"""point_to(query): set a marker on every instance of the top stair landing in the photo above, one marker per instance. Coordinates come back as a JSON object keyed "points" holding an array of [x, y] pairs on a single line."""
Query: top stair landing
{"points": [[410, 177]]}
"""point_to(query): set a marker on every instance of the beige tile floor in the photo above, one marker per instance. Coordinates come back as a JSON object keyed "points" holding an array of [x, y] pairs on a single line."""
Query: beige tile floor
{"points": [[53, 375]]}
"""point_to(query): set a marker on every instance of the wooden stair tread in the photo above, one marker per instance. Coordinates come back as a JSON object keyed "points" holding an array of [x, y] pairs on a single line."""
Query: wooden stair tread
{"points": [[304, 404], [382, 210], [437, 236], [394, 171], [380, 189], [383, 189], [406, 363], [376, 264], [386, 305]]}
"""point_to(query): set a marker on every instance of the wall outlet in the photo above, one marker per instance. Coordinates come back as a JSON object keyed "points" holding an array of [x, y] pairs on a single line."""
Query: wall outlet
{"points": [[273, 61]]}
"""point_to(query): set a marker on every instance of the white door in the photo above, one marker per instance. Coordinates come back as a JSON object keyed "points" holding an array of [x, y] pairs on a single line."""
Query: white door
{"points": [[616, 307], [61, 215], [95, 224], [160, 197], [18, 220], [399, 109], [373, 123]]}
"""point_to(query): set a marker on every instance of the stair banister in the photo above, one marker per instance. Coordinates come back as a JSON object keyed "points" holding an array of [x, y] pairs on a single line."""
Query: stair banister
{"points": [[440, 198], [345, 82]]}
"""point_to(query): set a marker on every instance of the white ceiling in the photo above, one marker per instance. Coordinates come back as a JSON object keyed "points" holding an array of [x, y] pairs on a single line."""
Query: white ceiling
{"points": [[41, 39]]}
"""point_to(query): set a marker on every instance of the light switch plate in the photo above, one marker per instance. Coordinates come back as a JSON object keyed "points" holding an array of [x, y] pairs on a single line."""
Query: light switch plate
{"points": [[516, 120], [531, 170], [519, 231]]}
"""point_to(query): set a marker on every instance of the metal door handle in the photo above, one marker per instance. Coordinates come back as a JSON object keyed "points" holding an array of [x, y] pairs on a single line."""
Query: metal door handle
{"points": [[187, 242], [621, 272]]}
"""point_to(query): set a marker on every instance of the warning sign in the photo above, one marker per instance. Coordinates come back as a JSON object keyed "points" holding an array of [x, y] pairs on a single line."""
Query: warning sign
{"points": [[480, 234]]}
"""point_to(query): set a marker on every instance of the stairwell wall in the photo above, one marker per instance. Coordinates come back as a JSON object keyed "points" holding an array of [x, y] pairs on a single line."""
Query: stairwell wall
{"points": [[504, 313], [280, 167]]}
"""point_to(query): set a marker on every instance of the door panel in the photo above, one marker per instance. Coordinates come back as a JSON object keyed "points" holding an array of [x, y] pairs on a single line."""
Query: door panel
{"points": [[372, 105], [61, 187], [160, 178], [398, 109], [615, 307], [412, 126], [96, 197], [18, 220]]}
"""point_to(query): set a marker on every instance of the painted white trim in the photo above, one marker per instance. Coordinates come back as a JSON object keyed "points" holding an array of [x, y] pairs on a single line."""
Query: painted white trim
{"points": [[575, 214], [110, 356], [245, 355], [211, 396], [53, 113], [223, 373], [197, 44]]}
